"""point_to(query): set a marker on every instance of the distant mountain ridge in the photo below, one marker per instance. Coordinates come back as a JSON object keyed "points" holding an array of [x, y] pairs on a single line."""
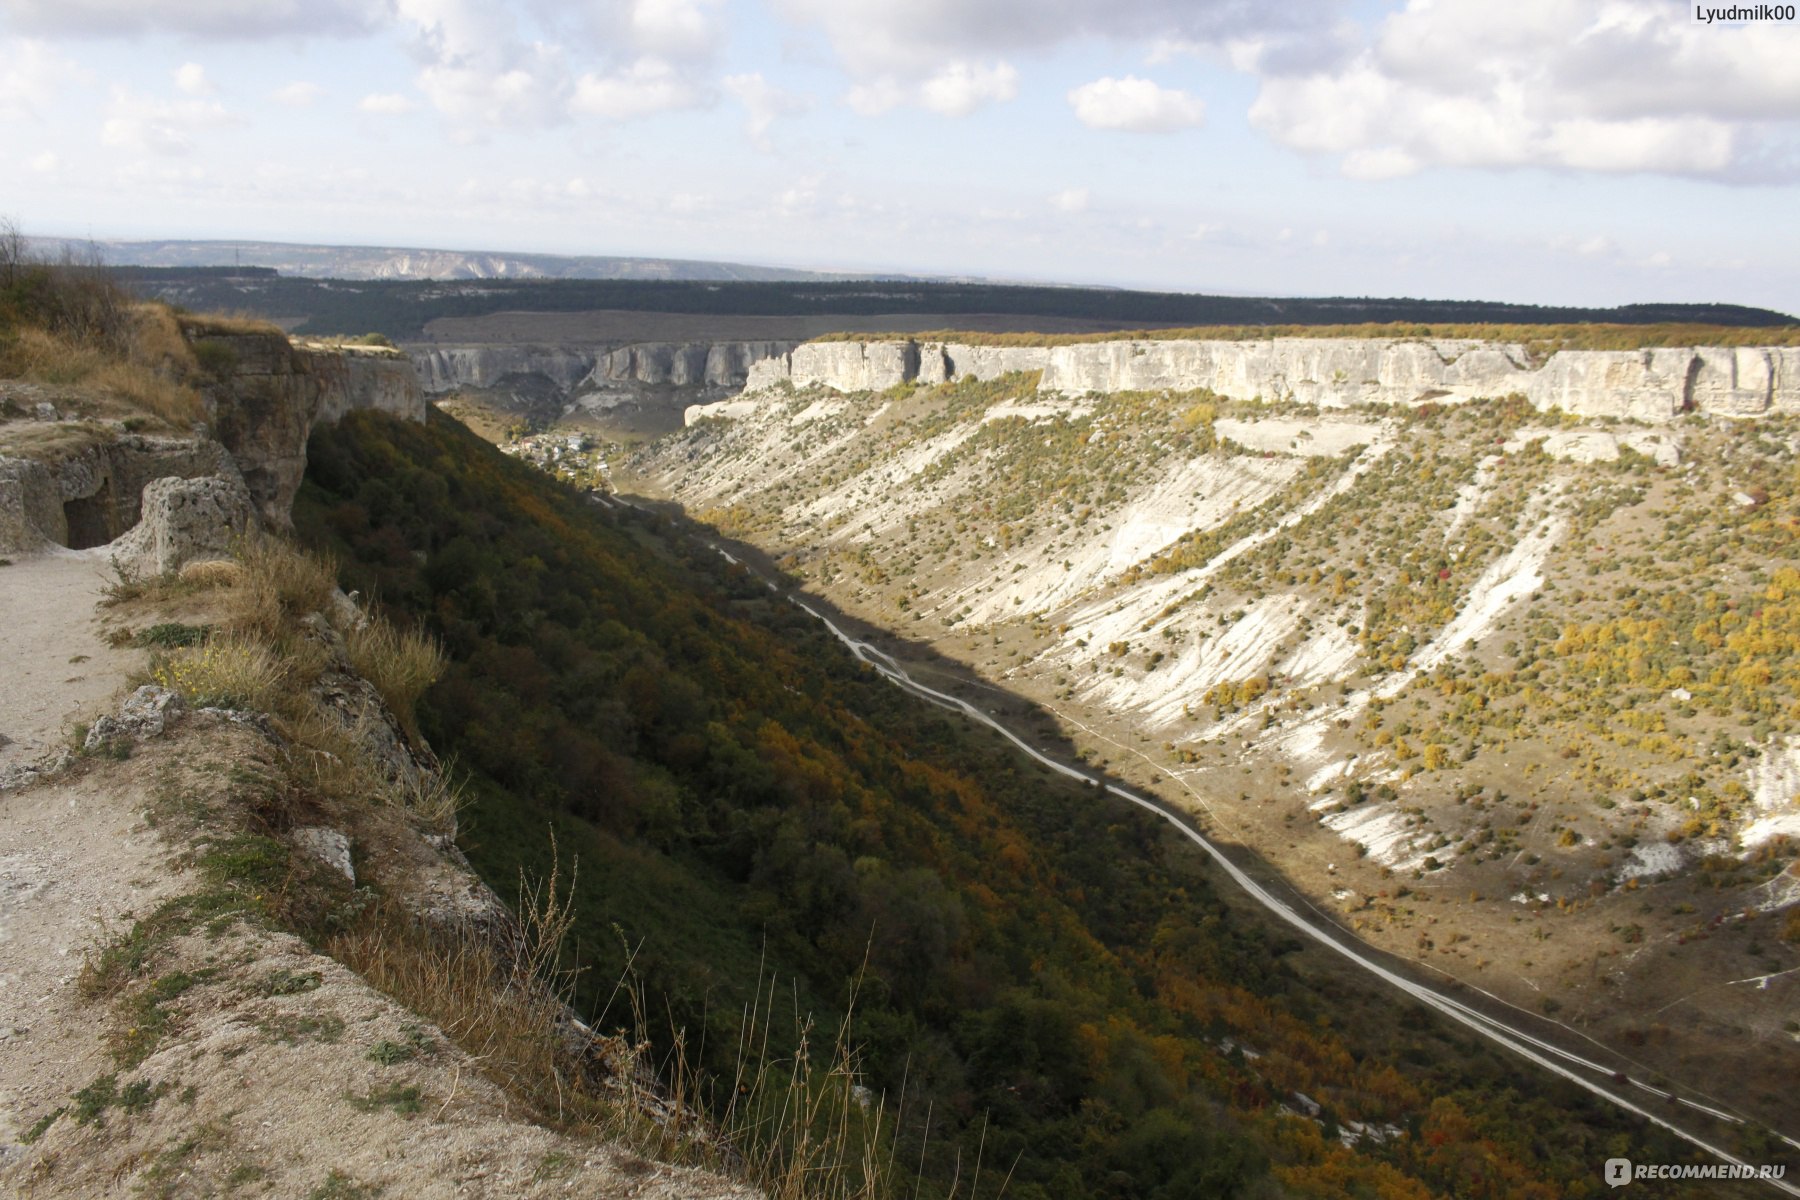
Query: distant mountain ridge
{"points": [[398, 262]]}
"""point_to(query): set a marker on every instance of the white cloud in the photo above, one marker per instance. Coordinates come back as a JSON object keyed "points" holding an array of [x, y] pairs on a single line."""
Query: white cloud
{"points": [[150, 125], [876, 97], [895, 51], [962, 87], [1070, 200], [800, 199], [645, 88], [199, 18], [765, 103], [533, 90], [299, 94], [1135, 105], [191, 78], [387, 104], [909, 39], [1619, 86], [1381, 162], [675, 29], [31, 75], [46, 163], [955, 89], [1672, 144], [489, 64]]}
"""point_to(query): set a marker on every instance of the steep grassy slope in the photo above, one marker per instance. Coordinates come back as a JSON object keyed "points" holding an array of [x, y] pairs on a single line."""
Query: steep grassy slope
{"points": [[1044, 983], [1515, 697]]}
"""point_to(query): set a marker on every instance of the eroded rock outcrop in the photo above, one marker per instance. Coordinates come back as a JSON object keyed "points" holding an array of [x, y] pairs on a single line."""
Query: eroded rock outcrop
{"points": [[93, 495], [271, 394], [266, 397]]}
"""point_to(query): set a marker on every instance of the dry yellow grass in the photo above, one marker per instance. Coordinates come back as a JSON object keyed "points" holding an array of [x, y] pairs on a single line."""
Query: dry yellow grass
{"points": [[226, 671], [151, 372], [793, 1127], [507, 1013], [209, 573], [401, 663], [225, 325], [436, 799], [33, 353], [176, 402], [280, 583]]}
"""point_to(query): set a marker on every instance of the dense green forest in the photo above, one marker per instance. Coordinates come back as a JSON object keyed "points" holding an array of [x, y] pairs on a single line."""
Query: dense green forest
{"points": [[401, 308], [1044, 981]]}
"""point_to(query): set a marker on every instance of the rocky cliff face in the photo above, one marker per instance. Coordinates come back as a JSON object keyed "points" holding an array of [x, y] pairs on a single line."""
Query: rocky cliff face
{"points": [[271, 394], [450, 368], [91, 497], [1647, 385], [266, 398], [572, 370]]}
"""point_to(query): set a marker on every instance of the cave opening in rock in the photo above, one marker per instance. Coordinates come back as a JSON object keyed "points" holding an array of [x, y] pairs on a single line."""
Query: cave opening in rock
{"points": [[90, 519]]}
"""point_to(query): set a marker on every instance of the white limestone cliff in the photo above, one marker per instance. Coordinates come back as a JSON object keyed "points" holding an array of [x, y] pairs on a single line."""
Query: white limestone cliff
{"points": [[1647, 385], [572, 370]]}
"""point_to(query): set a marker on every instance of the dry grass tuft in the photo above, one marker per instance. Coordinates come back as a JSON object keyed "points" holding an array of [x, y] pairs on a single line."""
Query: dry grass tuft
{"points": [[157, 341], [149, 389], [209, 573], [226, 325], [798, 1127], [280, 584], [401, 663], [35, 353], [437, 800], [228, 671], [330, 756], [803, 1126], [507, 1015]]}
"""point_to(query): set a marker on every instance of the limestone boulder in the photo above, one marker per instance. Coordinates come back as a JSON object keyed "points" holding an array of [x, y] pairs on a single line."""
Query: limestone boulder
{"points": [[184, 520], [145, 713]]}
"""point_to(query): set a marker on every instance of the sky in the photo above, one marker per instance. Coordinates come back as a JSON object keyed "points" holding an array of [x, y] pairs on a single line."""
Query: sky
{"points": [[1545, 151]]}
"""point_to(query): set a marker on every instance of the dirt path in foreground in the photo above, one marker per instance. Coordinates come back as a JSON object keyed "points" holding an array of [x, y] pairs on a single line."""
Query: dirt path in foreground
{"points": [[55, 666]]}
